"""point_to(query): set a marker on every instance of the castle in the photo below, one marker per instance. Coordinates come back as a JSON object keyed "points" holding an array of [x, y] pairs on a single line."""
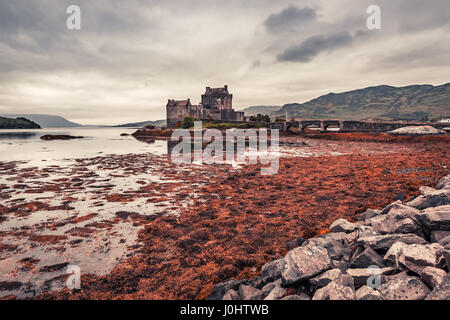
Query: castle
{"points": [[216, 104]]}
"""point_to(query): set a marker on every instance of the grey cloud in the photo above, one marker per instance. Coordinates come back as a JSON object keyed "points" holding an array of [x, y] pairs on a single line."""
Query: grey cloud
{"points": [[289, 18], [416, 15], [311, 47]]}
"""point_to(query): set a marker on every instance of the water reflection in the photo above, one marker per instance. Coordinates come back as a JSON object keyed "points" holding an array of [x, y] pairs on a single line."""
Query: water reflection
{"points": [[17, 135]]}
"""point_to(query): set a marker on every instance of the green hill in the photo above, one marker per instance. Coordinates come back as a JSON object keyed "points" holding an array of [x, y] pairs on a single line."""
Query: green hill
{"points": [[415, 102], [255, 110], [156, 123], [18, 123]]}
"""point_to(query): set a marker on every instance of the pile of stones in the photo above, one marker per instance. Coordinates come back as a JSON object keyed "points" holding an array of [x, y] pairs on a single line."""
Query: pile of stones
{"points": [[401, 252]]}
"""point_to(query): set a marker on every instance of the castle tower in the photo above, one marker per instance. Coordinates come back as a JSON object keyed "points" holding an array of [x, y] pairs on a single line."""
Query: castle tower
{"points": [[176, 111]]}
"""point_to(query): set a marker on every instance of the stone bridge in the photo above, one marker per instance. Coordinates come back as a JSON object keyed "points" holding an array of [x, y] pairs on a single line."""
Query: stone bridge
{"points": [[351, 125]]}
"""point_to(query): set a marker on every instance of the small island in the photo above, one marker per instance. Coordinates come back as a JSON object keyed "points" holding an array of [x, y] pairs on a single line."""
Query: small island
{"points": [[18, 123]]}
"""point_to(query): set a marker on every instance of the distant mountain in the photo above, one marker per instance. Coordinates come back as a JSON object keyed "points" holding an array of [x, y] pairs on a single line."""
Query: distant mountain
{"points": [[415, 102], [45, 120], [255, 110], [19, 123], [156, 123]]}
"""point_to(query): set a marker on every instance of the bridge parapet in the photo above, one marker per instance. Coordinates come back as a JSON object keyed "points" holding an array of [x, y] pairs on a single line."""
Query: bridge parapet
{"points": [[352, 125]]}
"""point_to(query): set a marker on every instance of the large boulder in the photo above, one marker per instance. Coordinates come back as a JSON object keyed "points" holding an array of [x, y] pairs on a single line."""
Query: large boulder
{"points": [[442, 291], [361, 275], [272, 270], [437, 218], [384, 242], [221, 288], [341, 288], [445, 243], [250, 293], [342, 225], [388, 224], [398, 219], [231, 295], [404, 288], [277, 293], [431, 199], [270, 286], [365, 258], [324, 278], [303, 263], [432, 276], [367, 293], [439, 235], [325, 239], [415, 257], [386, 209], [369, 213], [445, 181]]}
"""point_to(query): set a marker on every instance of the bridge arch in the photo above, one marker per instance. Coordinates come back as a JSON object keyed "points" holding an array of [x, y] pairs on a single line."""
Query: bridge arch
{"points": [[326, 124], [310, 123]]}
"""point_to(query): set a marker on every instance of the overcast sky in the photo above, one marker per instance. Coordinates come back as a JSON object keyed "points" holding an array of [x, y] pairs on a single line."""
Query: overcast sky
{"points": [[131, 56]]}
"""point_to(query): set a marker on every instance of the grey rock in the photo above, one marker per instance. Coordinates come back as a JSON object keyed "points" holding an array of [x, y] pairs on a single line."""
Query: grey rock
{"points": [[367, 293], [302, 296], [259, 282], [342, 225], [426, 190], [231, 295], [438, 235], [432, 199], [445, 181], [399, 219], [276, 293], [415, 256], [406, 288], [386, 209], [361, 275], [341, 265], [325, 239], [324, 278], [303, 263], [268, 287], [446, 255], [369, 213], [384, 242], [250, 293], [445, 242], [294, 243], [366, 258], [337, 250], [436, 218], [442, 291], [432, 276], [272, 270], [401, 211], [222, 287], [341, 288], [366, 231]]}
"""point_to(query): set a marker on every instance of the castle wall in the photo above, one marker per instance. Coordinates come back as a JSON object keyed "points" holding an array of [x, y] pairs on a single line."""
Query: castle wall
{"points": [[176, 112]]}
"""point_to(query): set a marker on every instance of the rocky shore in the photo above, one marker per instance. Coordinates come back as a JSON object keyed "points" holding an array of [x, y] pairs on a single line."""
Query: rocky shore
{"points": [[401, 252]]}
